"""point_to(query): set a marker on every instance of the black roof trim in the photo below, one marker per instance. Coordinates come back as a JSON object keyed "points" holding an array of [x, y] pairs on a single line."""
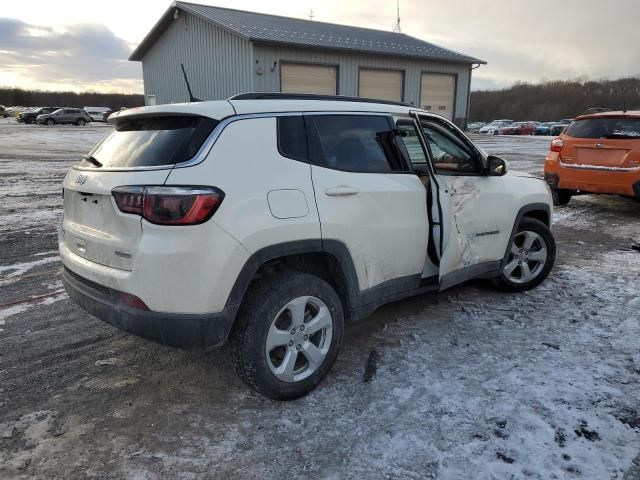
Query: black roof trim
{"points": [[311, 96]]}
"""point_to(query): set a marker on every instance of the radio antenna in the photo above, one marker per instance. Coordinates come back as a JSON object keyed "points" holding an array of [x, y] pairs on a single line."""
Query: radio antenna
{"points": [[396, 26], [186, 80]]}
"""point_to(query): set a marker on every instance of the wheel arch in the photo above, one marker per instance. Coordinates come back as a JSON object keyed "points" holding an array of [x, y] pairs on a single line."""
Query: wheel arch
{"points": [[536, 211], [328, 259]]}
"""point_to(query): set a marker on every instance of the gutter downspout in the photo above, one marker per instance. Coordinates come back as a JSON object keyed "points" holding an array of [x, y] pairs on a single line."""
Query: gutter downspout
{"points": [[466, 121]]}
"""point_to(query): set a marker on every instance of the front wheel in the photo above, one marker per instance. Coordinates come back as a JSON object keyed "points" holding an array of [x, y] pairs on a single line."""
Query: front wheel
{"points": [[50, 122], [81, 122], [532, 254], [287, 335]]}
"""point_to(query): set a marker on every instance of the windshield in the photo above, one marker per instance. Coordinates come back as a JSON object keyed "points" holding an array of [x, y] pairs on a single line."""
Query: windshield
{"points": [[605, 128], [148, 142]]}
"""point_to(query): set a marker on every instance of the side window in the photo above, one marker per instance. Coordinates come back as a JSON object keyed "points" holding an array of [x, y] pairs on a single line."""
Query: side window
{"points": [[292, 138], [448, 155], [412, 143], [356, 143]]}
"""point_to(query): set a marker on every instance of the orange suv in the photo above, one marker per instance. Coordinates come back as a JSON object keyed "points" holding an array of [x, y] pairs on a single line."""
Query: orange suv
{"points": [[596, 153]]}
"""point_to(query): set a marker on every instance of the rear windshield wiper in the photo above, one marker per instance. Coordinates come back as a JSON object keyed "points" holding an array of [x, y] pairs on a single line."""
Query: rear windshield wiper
{"points": [[91, 159]]}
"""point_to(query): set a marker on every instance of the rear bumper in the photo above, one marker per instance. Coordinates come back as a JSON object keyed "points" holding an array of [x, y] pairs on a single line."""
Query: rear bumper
{"points": [[186, 331], [592, 180]]}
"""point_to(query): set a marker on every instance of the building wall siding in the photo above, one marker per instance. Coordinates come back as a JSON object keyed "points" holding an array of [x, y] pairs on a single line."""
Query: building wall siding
{"points": [[218, 63], [348, 71]]}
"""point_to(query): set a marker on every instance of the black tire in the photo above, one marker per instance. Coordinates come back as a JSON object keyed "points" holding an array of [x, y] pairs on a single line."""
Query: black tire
{"points": [[561, 197], [50, 122], [81, 122], [505, 283], [260, 307], [495, 132]]}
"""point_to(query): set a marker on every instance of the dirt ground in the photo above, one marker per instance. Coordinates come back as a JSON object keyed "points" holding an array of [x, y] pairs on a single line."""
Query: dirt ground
{"points": [[469, 383]]}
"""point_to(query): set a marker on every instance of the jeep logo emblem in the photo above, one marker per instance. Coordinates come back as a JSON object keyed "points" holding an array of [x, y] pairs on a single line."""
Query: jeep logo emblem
{"points": [[80, 179]]}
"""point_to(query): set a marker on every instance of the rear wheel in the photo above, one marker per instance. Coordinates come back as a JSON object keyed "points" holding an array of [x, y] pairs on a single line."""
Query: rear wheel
{"points": [[81, 122], [288, 335], [50, 122], [531, 256], [561, 196]]}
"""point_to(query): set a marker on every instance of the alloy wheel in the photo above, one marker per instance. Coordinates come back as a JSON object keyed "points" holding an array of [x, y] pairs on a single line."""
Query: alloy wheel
{"points": [[299, 339], [527, 257]]}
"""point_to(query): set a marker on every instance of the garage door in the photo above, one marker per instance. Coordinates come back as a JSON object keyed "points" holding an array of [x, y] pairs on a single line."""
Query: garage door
{"points": [[299, 78], [437, 92], [381, 84]]}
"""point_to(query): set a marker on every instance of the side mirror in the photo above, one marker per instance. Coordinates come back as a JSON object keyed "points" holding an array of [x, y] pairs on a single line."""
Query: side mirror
{"points": [[497, 166]]}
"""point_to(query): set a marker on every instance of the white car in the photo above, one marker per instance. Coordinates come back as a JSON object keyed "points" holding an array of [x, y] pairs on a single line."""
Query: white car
{"points": [[268, 220], [98, 114], [494, 127]]}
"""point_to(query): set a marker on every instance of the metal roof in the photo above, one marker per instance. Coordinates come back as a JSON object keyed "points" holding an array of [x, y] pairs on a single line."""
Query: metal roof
{"points": [[259, 27]]}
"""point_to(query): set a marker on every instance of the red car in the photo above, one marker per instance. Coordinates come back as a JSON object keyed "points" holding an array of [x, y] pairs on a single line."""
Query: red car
{"points": [[526, 128], [518, 128]]}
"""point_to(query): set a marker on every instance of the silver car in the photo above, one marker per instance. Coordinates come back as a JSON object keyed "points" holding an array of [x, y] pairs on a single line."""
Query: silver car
{"points": [[74, 116]]}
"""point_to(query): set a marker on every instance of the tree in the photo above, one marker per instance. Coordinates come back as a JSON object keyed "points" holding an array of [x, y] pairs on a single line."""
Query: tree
{"points": [[554, 100]]}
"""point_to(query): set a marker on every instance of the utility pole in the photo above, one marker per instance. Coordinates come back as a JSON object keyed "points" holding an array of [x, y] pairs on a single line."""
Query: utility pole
{"points": [[311, 15], [396, 26]]}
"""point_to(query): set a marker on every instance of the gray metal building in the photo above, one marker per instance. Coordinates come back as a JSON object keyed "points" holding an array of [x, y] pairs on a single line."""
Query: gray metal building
{"points": [[226, 52]]}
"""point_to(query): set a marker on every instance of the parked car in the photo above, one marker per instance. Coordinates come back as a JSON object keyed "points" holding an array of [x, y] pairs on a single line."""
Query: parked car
{"points": [[29, 116], [597, 153], [137, 233], [493, 127], [13, 111], [526, 128], [75, 116], [98, 114], [544, 128], [518, 128], [557, 128], [475, 127], [2, 110]]}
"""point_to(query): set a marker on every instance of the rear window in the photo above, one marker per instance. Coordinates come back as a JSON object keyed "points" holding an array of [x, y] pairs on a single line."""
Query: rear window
{"points": [[292, 137], [605, 128], [150, 142]]}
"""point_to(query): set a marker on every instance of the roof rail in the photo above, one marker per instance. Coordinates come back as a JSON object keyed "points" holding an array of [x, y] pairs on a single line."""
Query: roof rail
{"points": [[311, 96], [590, 111]]}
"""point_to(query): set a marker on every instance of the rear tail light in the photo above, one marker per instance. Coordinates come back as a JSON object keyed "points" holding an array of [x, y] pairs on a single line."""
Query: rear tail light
{"points": [[169, 205], [557, 144]]}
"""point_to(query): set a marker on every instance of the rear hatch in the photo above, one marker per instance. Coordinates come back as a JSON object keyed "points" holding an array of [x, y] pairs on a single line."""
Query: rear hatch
{"points": [[141, 151], [607, 143]]}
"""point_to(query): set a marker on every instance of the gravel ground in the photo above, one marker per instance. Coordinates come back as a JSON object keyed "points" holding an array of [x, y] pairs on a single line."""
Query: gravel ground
{"points": [[467, 384]]}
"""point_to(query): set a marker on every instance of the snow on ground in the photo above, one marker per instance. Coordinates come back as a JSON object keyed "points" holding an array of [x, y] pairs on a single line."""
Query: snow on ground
{"points": [[33, 162], [468, 384]]}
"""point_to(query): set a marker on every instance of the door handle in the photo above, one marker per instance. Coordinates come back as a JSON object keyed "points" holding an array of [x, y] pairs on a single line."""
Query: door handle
{"points": [[341, 191]]}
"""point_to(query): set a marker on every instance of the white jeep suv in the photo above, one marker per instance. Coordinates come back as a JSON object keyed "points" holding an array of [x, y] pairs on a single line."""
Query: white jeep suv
{"points": [[268, 220]]}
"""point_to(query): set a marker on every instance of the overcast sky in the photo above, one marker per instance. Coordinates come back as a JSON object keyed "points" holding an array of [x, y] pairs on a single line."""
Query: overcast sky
{"points": [[83, 45]]}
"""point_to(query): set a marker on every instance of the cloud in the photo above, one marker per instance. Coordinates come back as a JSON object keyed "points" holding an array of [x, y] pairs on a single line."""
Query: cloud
{"points": [[81, 56]]}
